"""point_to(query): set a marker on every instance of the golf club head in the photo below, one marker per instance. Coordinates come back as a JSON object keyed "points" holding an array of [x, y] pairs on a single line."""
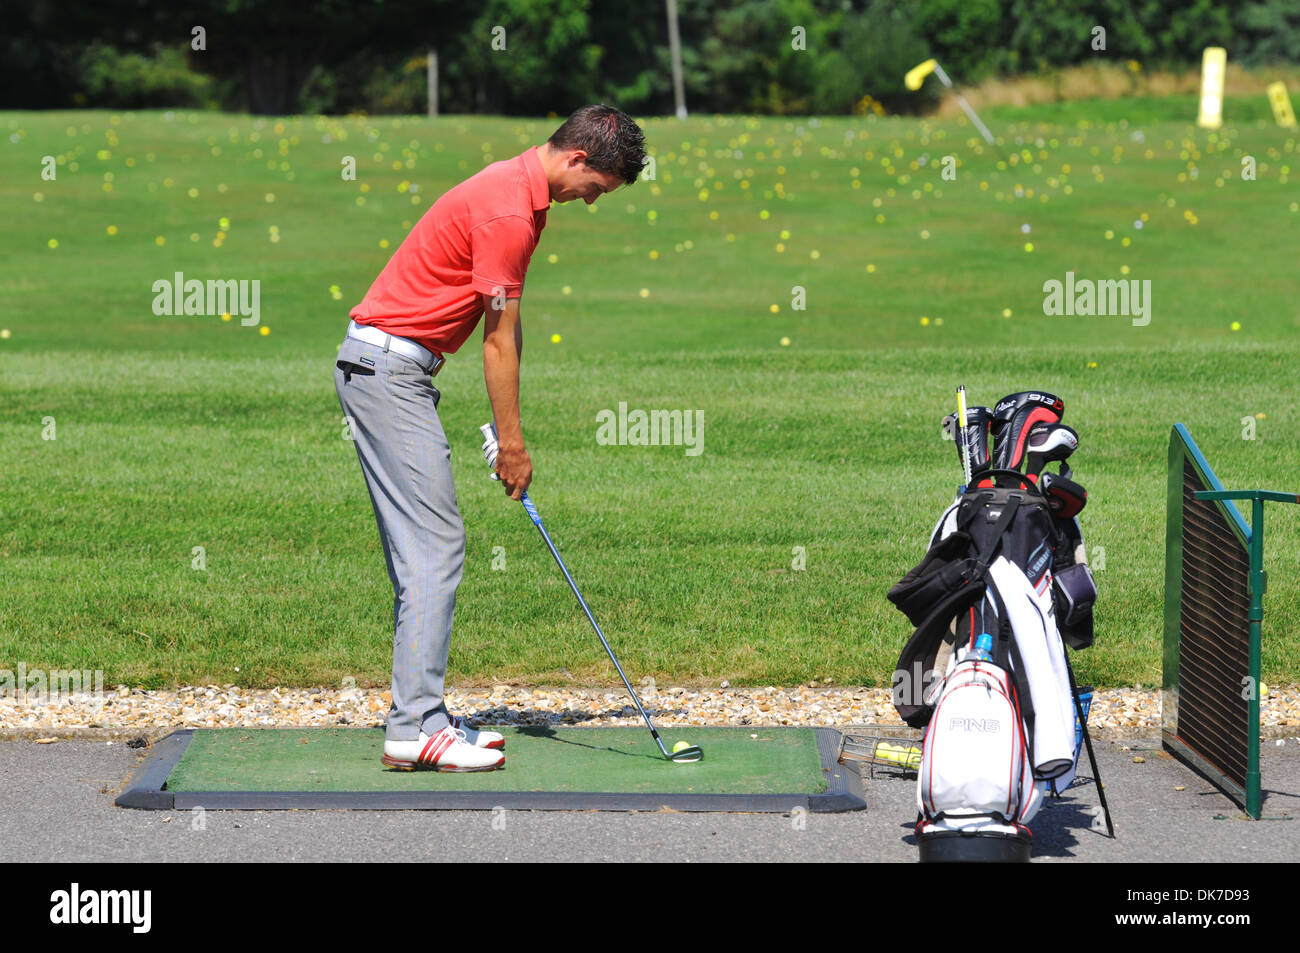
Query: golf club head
{"points": [[1014, 416], [687, 755], [1065, 497], [1046, 443], [978, 420]]}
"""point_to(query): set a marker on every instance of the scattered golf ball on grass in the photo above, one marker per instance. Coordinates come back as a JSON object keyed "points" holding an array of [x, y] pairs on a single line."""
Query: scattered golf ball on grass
{"points": [[681, 746]]}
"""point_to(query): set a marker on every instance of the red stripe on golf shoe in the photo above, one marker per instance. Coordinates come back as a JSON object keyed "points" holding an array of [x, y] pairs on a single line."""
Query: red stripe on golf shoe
{"points": [[425, 750], [447, 739]]}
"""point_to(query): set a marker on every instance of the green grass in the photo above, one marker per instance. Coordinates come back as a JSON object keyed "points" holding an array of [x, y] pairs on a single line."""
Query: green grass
{"points": [[623, 760], [1244, 111], [180, 432]]}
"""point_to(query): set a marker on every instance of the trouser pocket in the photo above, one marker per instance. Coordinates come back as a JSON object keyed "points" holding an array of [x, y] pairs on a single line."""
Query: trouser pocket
{"points": [[349, 368]]}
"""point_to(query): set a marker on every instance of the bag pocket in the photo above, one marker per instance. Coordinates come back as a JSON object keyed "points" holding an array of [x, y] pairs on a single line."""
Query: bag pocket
{"points": [[941, 573], [1074, 591]]}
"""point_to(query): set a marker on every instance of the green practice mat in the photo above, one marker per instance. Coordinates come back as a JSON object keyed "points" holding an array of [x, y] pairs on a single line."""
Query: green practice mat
{"points": [[575, 768], [772, 761]]}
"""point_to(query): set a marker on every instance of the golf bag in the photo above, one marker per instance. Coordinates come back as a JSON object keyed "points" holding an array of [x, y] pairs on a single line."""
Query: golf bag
{"points": [[975, 779], [1007, 727]]}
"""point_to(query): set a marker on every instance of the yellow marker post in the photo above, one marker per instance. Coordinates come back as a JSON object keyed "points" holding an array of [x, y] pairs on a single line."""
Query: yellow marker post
{"points": [[1280, 100], [1213, 63]]}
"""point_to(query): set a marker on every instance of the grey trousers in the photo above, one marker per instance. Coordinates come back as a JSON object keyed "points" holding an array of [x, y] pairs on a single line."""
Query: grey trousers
{"points": [[391, 408]]}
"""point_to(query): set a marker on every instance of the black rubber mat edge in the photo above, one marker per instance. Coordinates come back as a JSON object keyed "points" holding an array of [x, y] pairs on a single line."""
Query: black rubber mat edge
{"points": [[147, 787]]}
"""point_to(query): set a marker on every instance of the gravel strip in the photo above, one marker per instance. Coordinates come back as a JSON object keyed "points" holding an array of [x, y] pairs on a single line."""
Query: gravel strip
{"points": [[126, 713]]}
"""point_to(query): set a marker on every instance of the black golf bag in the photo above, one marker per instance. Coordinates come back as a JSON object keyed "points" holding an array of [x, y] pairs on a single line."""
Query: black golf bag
{"points": [[1000, 562]]}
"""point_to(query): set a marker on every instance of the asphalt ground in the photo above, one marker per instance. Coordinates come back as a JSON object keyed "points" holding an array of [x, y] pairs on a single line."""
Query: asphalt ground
{"points": [[58, 804]]}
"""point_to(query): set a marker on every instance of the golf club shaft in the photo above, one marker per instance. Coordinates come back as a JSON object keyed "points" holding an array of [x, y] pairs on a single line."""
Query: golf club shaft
{"points": [[966, 107], [533, 515], [1034, 464]]}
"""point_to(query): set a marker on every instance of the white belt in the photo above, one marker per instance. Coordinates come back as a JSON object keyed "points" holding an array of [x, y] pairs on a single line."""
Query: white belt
{"points": [[389, 342]]}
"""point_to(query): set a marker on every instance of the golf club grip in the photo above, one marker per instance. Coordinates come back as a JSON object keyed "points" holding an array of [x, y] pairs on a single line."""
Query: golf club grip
{"points": [[531, 509], [963, 444]]}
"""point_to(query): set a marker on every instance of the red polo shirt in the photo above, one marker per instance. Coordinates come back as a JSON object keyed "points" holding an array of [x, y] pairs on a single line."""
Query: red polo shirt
{"points": [[475, 240]]}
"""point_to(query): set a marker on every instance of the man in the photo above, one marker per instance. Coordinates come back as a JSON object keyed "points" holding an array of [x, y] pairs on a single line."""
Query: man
{"points": [[464, 260]]}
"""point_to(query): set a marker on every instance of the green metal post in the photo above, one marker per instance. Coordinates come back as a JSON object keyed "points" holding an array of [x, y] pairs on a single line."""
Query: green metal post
{"points": [[1258, 580]]}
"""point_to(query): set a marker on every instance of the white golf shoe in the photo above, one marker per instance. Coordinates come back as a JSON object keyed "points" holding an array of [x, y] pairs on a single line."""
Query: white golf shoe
{"points": [[481, 738], [447, 750]]}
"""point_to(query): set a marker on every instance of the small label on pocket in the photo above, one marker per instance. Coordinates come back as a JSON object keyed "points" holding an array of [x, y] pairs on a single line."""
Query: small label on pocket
{"points": [[368, 362]]}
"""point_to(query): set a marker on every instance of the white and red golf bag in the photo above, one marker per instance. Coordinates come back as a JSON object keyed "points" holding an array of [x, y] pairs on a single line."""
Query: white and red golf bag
{"points": [[976, 780]]}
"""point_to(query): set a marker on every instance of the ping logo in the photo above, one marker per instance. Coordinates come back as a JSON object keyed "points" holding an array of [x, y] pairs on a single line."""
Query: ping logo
{"points": [[983, 725]]}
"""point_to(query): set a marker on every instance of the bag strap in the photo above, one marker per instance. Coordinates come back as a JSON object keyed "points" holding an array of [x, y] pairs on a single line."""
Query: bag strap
{"points": [[964, 520], [935, 627], [1007, 654], [924, 644], [999, 530], [980, 572]]}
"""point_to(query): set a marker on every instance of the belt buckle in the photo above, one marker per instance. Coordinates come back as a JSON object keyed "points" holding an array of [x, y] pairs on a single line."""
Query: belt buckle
{"points": [[438, 361]]}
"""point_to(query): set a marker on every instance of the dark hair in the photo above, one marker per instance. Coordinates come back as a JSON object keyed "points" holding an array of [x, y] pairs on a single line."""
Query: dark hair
{"points": [[613, 142]]}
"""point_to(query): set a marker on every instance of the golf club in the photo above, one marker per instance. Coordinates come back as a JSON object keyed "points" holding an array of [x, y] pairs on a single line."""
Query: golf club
{"points": [[1048, 442], [680, 755], [1065, 497], [1014, 416], [977, 436]]}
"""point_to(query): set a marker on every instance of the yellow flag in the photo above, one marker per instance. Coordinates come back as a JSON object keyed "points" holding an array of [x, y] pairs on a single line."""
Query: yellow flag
{"points": [[917, 74]]}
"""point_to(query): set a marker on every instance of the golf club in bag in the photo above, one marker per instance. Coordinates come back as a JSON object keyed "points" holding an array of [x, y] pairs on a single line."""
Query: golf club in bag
{"points": [[679, 755], [986, 672]]}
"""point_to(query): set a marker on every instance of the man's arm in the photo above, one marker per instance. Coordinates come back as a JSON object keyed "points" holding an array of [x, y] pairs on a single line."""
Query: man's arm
{"points": [[503, 344]]}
